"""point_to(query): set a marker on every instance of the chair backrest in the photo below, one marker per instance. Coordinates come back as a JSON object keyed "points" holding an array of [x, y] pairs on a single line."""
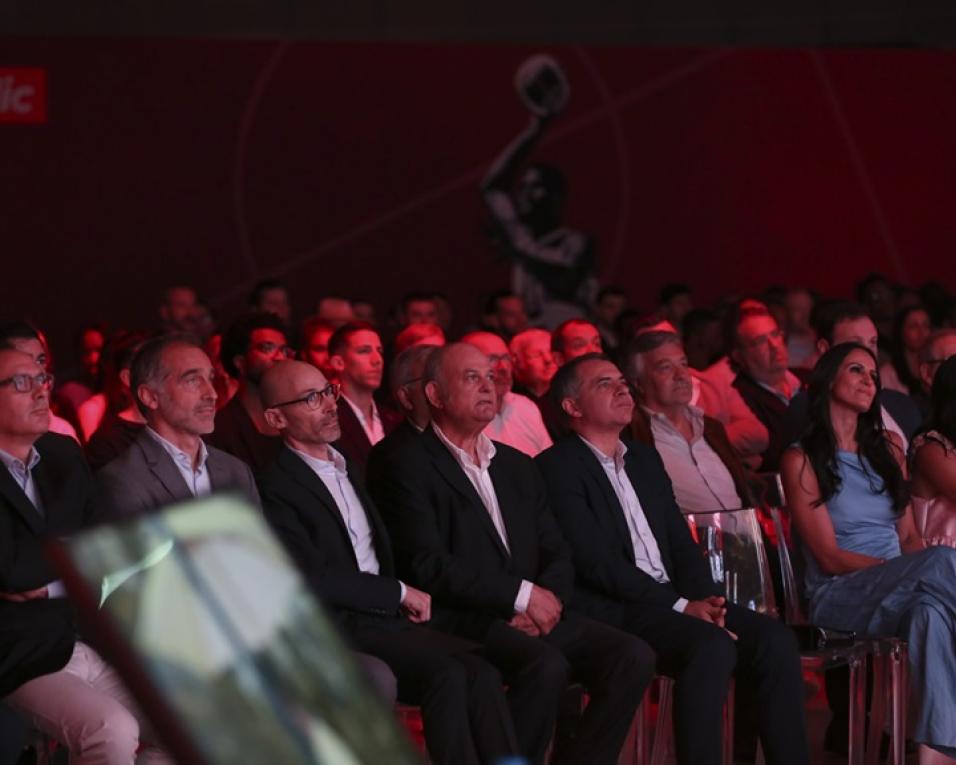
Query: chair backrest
{"points": [[732, 543], [793, 611]]}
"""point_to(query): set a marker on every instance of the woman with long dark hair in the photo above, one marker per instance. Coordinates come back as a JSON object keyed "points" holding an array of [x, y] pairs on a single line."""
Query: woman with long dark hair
{"points": [[867, 568], [933, 460]]}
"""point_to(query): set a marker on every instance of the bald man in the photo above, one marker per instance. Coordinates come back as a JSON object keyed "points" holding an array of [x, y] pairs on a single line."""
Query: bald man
{"points": [[320, 510], [517, 421]]}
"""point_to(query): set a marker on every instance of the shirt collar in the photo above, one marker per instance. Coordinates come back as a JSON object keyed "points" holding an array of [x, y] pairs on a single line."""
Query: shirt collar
{"points": [[695, 415], [15, 465], [335, 464], [358, 412], [484, 447], [617, 461], [178, 455]]}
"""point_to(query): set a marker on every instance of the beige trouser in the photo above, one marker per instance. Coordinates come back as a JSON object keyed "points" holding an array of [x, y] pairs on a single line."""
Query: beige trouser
{"points": [[86, 707]]}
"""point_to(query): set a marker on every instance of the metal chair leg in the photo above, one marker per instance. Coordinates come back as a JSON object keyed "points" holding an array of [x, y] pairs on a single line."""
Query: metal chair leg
{"points": [[898, 670], [663, 730], [857, 665], [878, 696]]}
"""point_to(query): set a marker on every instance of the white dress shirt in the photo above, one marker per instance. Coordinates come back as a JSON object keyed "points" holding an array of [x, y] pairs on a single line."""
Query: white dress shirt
{"points": [[22, 473], [480, 478], [647, 555], [701, 480], [519, 425], [334, 474], [197, 479], [374, 428]]}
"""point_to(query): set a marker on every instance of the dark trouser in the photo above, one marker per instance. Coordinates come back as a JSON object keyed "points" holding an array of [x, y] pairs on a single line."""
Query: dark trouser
{"points": [[702, 657], [614, 667], [13, 734], [465, 715]]}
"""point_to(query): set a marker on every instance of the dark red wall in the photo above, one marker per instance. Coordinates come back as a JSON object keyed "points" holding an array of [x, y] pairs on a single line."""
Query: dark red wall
{"points": [[353, 168]]}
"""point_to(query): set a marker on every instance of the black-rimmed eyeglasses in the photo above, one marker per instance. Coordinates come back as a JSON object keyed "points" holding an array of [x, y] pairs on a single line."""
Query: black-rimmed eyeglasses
{"points": [[314, 398], [24, 383]]}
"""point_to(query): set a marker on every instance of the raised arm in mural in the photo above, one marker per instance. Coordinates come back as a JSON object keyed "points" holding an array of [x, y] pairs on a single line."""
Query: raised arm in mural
{"points": [[553, 265]]}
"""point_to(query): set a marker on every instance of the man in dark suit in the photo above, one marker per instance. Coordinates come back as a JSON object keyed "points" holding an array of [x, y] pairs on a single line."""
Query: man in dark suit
{"points": [[60, 684], [356, 355], [172, 380], [640, 570], [471, 525], [320, 510]]}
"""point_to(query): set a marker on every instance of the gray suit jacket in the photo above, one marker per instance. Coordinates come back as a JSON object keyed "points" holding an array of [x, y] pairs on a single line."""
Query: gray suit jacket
{"points": [[144, 478]]}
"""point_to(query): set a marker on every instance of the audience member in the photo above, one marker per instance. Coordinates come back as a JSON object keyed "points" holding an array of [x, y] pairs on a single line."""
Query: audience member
{"points": [[703, 340], [676, 301], [911, 330], [517, 421], [574, 338], [877, 295], [319, 508], [314, 348], [754, 407], [335, 310], [419, 308], [121, 422], [72, 393], [271, 296], [705, 471], [933, 459], [179, 309], [24, 337], [937, 349], [801, 339], [172, 380], [472, 527], [356, 355], [363, 311], [639, 570], [250, 346], [419, 334], [504, 314], [866, 569], [533, 363], [58, 683], [610, 303]]}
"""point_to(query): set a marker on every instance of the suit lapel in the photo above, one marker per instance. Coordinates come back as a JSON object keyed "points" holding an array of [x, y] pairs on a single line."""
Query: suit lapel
{"points": [[453, 474], [303, 475], [19, 501], [596, 471], [161, 465]]}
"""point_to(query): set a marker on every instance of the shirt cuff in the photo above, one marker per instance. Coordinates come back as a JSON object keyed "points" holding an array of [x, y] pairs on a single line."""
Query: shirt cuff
{"points": [[524, 595], [56, 589], [680, 605], [402, 592]]}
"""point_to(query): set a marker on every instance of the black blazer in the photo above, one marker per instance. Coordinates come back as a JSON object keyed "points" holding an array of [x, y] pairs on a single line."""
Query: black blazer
{"points": [[593, 521], [307, 521], [36, 637], [447, 544], [397, 441], [353, 442]]}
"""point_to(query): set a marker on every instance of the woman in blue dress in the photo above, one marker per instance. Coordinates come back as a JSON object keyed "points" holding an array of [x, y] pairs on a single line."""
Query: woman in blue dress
{"points": [[867, 568]]}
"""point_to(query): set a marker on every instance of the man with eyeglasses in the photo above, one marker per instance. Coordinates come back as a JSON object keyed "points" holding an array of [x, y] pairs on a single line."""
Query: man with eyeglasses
{"points": [[58, 683], [171, 379], [753, 409], [518, 422], [319, 508], [249, 347]]}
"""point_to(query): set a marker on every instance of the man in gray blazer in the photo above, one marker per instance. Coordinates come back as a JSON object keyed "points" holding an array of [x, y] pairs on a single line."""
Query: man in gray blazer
{"points": [[172, 380]]}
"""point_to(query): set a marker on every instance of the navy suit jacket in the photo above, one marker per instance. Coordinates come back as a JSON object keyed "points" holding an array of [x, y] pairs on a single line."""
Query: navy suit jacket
{"points": [[593, 522]]}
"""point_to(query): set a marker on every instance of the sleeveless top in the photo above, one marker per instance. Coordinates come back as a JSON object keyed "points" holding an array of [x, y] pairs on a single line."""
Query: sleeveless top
{"points": [[935, 517], [862, 515]]}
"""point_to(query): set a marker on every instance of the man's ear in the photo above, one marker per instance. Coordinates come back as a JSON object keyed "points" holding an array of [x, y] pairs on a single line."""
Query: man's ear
{"points": [[404, 401], [822, 345], [275, 418], [570, 407], [124, 377], [148, 397], [240, 364], [432, 394]]}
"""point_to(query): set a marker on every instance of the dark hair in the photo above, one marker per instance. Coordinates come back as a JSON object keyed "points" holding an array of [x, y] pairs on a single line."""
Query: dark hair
{"points": [[819, 441], [645, 343], [942, 415], [898, 350], [673, 290], [16, 329], [235, 341], [416, 297], [310, 326], [610, 291], [557, 337], [491, 302], [340, 338], [261, 288], [825, 316], [146, 364], [736, 316], [864, 284], [565, 383]]}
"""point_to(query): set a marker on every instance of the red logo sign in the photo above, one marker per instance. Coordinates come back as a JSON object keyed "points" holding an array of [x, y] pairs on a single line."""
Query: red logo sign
{"points": [[23, 95]]}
